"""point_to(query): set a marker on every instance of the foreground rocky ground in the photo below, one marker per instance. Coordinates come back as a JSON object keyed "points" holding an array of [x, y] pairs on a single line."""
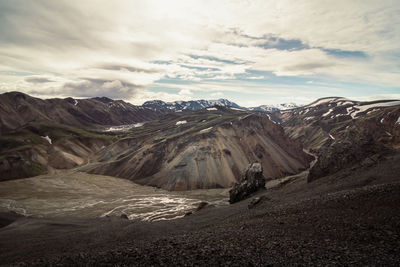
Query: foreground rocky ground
{"points": [[345, 219]]}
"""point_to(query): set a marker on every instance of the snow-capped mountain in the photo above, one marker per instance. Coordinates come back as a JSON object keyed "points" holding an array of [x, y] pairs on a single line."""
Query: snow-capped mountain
{"points": [[187, 105], [283, 106]]}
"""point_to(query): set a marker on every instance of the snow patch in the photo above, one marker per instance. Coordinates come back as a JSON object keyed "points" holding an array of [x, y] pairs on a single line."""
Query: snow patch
{"points": [[206, 130], [180, 122], [209, 109], [351, 113], [47, 138], [327, 113], [346, 103], [76, 102], [372, 111], [384, 119], [333, 138], [398, 120], [124, 127], [235, 109], [271, 119], [139, 124]]}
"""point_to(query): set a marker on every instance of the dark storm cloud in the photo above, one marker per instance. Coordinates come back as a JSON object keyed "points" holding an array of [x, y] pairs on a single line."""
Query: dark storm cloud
{"points": [[88, 87]]}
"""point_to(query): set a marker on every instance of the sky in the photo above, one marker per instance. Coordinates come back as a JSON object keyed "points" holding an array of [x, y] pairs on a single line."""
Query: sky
{"points": [[250, 52]]}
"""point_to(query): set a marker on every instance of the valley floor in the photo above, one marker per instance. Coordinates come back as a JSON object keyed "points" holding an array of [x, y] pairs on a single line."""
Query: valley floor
{"points": [[351, 218]]}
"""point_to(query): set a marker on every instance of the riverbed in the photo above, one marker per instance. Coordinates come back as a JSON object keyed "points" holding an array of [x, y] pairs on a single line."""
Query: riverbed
{"points": [[74, 193]]}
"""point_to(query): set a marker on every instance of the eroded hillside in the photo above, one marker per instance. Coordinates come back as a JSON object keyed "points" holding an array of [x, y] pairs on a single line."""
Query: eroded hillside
{"points": [[328, 119], [18, 110], [202, 149]]}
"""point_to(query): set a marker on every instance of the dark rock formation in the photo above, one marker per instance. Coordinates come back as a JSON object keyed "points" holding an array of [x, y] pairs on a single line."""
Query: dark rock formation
{"points": [[7, 218], [124, 216], [188, 213], [252, 181], [202, 205], [355, 150]]}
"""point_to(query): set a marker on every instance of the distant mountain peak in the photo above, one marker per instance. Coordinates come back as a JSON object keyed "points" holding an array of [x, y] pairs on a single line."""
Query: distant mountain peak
{"points": [[103, 99], [283, 106], [188, 105]]}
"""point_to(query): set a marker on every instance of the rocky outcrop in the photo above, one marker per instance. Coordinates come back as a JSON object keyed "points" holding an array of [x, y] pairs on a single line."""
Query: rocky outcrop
{"points": [[202, 205], [355, 150], [251, 182]]}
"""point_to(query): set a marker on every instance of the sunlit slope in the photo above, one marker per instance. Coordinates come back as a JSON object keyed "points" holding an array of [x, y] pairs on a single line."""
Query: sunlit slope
{"points": [[202, 149]]}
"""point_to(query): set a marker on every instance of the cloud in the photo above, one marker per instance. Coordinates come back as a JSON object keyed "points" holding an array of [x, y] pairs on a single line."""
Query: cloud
{"points": [[96, 87], [217, 94], [185, 92], [122, 67], [34, 79], [121, 48]]}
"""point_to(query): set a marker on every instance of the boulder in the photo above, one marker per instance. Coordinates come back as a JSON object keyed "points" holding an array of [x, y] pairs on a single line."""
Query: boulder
{"points": [[202, 205], [124, 216], [251, 182]]}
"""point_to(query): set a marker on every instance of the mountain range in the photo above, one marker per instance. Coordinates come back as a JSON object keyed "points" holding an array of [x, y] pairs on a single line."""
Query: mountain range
{"points": [[200, 104], [180, 145], [328, 119], [18, 109], [330, 169], [176, 146]]}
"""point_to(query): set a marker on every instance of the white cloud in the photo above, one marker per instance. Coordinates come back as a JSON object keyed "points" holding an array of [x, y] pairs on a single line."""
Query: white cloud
{"points": [[217, 94], [120, 48], [185, 92]]}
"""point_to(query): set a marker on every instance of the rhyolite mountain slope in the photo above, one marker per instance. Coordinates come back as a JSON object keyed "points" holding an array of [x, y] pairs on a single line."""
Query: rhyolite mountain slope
{"points": [[19, 109], [355, 151], [42, 148], [328, 119], [208, 148], [347, 136], [194, 148], [205, 148], [39, 136]]}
